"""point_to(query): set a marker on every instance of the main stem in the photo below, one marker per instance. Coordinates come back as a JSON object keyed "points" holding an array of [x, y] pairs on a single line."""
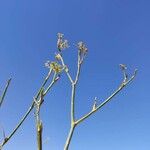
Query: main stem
{"points": [[39, 135], [66, 147], [69, 137]]}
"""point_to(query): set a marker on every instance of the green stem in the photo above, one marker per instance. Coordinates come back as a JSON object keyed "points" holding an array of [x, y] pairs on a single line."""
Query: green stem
{"points": [[66, 147], [18, 125], [27, 113], [72, 103], [4, 93], [39, 135]]}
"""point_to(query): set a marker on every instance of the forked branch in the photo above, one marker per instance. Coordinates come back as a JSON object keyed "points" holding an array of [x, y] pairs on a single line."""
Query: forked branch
{"points": [[122, 85], [96, 107], [7, 138], [82, 50]]}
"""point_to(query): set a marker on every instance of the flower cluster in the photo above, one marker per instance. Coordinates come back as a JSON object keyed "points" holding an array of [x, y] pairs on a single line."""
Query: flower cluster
{"points": [[61, 42], [54, 66], [82, 50]]}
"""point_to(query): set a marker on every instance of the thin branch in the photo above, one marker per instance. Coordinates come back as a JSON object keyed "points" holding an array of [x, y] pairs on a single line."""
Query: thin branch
{"points": [[95, 108], [72, 103], [27, 113], [4, 93], [39, 125], [78, 68], [74, 89], [18, 125], [3, 131], [122, 85], [72, 112], [55, 79], [44, 83], [65, 68], [38, 103]]}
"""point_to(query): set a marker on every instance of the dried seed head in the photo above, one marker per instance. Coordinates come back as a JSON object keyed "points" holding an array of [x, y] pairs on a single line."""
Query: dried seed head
{"points": [[54, 66], [123, 67], [61, 42], [82, 48]]}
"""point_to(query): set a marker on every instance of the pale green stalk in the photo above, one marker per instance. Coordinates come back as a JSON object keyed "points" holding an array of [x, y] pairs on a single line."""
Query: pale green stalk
{"points": [[38, 103], [29, 110], [75, 122]]}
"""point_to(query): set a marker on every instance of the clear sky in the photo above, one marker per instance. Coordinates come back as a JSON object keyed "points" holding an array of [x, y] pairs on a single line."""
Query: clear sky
{"points": [[116, 31]]}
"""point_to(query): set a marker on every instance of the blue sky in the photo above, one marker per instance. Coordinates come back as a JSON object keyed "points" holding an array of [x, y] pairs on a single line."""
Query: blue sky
{"points": [[115, 32]]}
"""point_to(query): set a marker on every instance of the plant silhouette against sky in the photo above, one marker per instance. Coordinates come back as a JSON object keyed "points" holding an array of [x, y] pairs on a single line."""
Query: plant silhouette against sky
{"points": [[55, 69]]}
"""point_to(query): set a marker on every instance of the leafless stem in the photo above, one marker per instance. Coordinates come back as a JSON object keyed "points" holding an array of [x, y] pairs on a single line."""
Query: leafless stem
{"points": [[44, 83], [78, 68], [28, 111], [122, 85], [51, 84], [4, 93], [38, 103], [95, 108], [17, 126], [68, 141], [39, 135], [73, 91], [39, 126], [66, 69]]}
